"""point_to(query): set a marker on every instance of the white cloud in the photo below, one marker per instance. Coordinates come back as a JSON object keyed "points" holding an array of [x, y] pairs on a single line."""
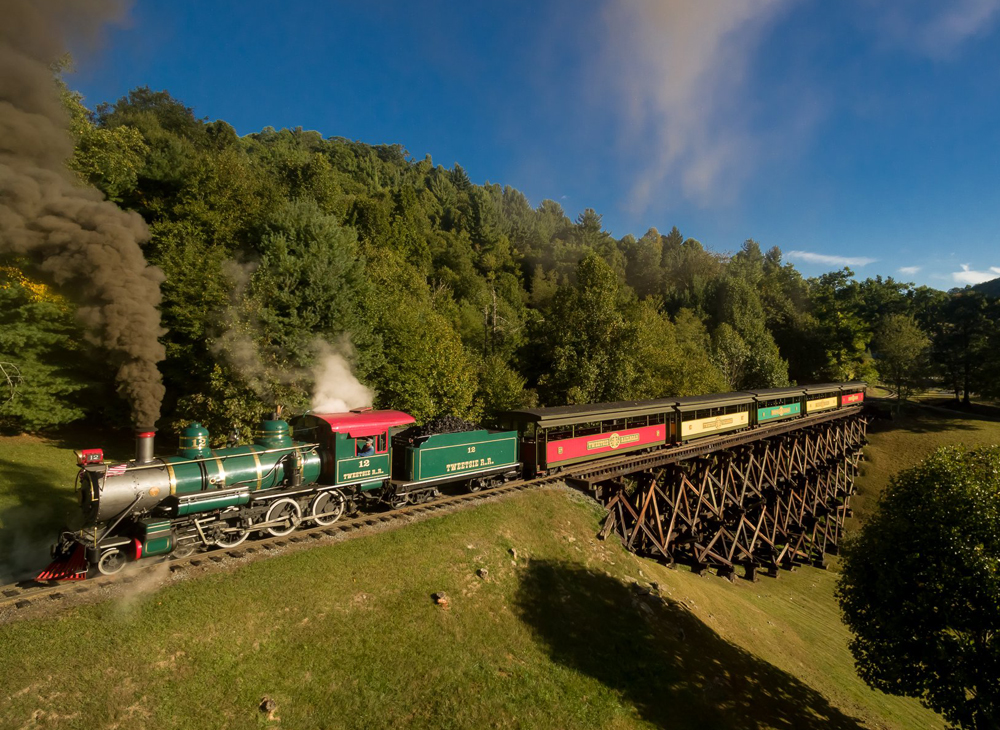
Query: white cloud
{"points": [[827, 260], [909, 270], [969, 276], [935, 28], [695, 117], [682, 67]]}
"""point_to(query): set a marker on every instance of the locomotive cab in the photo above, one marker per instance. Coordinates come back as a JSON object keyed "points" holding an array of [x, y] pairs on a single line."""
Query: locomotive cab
{"points": [[355, 446]]}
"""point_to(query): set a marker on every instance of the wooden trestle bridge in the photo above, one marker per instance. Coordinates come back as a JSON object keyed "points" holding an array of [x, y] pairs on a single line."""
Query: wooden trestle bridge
{"points": [[762, 500]]}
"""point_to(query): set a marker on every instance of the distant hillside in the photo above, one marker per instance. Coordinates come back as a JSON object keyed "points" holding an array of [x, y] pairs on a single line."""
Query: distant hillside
{"points": [[990, 288]]}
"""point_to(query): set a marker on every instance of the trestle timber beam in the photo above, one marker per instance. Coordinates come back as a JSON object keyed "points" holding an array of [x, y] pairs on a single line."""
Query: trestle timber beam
{"points": [[768, 503]]}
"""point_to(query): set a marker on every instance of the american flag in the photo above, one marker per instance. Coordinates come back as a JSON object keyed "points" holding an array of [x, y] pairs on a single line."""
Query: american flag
{"points": [[116, 471]]}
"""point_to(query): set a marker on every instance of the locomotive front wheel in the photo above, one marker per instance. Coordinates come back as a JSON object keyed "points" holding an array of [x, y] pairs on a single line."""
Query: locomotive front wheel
{"points": [[288, 513], [184, 549], [111, 562], [327, 507]]}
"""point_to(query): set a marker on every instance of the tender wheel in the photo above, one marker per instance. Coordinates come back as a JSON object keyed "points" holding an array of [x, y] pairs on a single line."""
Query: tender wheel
{"points": [[475, 485], [111, 562], [288, 512], [327, 507], [399, 500]]}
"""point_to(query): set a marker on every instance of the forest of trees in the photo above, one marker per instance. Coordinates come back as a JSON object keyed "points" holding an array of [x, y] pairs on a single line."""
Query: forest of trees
{"points": [[450, 297]]}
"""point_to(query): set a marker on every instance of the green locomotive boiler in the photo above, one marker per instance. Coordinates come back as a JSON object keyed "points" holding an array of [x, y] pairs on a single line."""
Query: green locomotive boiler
{"points": [[199, 497]]}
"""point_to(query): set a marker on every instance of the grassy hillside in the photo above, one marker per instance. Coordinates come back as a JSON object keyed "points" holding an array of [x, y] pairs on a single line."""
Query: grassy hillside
{"points": [[36, 499], [901, 443], [37, 496], [348, 636]]}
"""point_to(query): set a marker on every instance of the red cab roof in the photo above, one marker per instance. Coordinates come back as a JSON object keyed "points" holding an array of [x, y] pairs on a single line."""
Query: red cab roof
{"points": [[364, 423]]}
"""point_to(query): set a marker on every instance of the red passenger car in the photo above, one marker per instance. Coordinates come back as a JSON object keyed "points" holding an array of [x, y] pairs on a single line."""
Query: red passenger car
{"points": [[552, 438]]}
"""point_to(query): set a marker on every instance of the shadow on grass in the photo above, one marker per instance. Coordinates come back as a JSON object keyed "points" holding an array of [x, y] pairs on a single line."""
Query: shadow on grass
{"points": [[118, 444], [983, 411], [43, 503], [673, 668], [922, 419]]}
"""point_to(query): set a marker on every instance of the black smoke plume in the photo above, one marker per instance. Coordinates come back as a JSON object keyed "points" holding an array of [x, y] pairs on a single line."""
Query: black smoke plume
{"points": [[72, 238]]}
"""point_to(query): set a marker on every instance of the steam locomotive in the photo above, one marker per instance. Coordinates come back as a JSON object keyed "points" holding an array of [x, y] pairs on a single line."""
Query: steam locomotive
{"points": [[313, 469]]}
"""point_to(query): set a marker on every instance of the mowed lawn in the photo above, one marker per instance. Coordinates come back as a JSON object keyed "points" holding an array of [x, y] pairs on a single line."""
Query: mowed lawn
{"points": [[347, 635], [37, 498], [37, 494]]}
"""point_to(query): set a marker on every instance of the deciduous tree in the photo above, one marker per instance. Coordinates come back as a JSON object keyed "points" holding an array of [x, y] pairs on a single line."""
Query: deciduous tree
{"points": [[920, 587], [37, 339], [900, 348]]}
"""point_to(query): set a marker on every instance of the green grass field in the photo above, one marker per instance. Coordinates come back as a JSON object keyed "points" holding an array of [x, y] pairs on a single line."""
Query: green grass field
{"points": [[36, 500], [347, 635], [37, 496]]}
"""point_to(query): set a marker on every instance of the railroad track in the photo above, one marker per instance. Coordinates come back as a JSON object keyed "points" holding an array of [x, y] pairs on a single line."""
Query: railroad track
{"points": [[28, 594]]}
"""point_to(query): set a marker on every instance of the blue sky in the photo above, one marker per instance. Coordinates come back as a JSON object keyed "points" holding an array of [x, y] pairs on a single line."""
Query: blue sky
{"points": [[858, 132]]}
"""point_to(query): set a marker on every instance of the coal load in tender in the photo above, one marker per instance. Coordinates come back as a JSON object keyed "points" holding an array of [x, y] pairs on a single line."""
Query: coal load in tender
{"points": [[444, 424]]}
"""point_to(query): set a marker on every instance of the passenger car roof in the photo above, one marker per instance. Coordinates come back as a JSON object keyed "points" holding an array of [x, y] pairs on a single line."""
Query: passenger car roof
{"points": [[567, 415], [713, 400]]}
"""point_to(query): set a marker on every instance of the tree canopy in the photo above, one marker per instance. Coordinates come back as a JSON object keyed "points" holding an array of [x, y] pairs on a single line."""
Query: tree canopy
{"points": [[900, 349], [449, 296], [920, 587]]}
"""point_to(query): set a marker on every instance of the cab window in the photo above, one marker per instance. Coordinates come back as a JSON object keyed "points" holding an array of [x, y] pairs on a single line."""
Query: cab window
{"points": [[370, 445]]}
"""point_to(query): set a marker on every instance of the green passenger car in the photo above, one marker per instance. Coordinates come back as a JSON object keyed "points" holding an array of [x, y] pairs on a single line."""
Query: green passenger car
{"points": [[446, 457], [777, 404]]}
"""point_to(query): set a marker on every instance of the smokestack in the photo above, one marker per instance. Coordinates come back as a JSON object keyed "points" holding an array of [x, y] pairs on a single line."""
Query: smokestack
{"points": [[144, 438]]}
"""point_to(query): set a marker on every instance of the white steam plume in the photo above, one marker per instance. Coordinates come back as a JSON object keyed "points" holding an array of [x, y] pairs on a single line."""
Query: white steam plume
{"points": [[336, 390], [266, 369]]}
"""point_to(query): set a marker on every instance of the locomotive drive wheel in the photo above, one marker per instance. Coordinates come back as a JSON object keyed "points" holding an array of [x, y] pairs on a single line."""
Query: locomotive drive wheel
{"points": [[111, 562], [232, 539], [288, 512], [327, 507]]}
